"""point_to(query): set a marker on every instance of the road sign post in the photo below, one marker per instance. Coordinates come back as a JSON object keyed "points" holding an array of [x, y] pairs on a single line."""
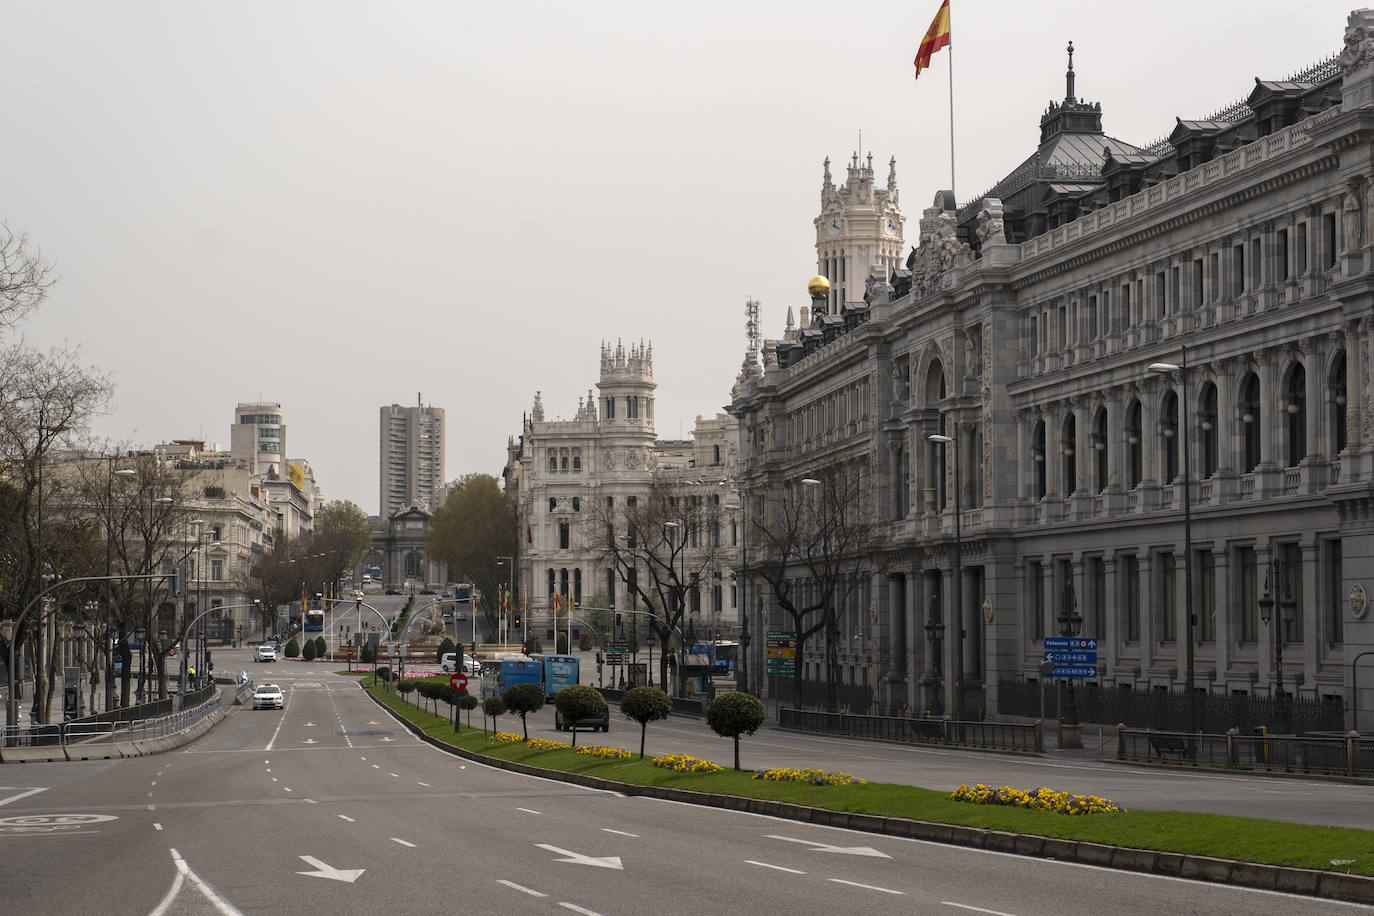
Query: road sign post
{"points": [[458, 681]]}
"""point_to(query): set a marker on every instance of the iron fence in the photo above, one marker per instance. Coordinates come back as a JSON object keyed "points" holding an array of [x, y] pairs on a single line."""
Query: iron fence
{"points": [[1002, 736], [1332, 755], [855, 697], [84, 731], [1216, 711]]}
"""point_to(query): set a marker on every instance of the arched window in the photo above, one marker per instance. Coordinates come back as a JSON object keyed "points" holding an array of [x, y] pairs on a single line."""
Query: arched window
{"points": [[1296, 408], [1207, 423], [1250, 419], [1335, 387], [1134, 447], [1169, 438]]}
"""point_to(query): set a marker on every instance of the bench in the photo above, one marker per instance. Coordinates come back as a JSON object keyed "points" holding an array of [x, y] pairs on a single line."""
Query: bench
{"points": [[1167, 745]]}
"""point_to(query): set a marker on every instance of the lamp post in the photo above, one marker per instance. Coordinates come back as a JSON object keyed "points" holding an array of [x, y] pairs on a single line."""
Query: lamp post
{"points": [[1070, 625], [935, 633], [1182, 370], [503, 601], [109, 604], [957, 614], [1276, 584]]}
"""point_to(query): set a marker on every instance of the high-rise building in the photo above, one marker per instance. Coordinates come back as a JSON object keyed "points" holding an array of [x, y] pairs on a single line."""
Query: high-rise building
{"points": [[257, 441], [412, 457]]}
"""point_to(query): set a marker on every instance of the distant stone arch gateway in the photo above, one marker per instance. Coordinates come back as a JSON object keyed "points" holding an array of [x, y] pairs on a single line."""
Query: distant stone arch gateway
{"points": [[406, 562]]}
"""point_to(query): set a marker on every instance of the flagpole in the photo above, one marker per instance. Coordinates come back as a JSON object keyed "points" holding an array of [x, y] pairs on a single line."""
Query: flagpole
{"points": [[950, 48]]}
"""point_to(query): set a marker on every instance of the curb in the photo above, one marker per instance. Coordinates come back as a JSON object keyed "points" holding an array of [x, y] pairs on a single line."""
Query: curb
{"points": [[1303, 881]]}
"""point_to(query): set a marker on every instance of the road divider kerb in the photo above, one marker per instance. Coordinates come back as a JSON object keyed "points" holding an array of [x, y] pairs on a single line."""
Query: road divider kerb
{"points": [[1303, 881]]}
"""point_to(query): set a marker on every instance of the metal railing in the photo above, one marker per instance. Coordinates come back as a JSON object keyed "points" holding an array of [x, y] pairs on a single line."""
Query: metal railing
{"points": [[1002, 736], [83, 731], [1331, 755]]}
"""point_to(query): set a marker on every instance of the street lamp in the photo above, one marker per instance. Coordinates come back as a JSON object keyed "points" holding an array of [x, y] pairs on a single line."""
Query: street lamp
{"points": [[121, 473], [1070, 625], [681, 599], [957, 615], [503, 605], [1182, 370], [1276, 583], [935, 633]]}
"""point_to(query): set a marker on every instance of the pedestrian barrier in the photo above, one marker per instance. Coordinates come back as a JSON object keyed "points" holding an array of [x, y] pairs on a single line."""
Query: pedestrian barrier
{"points": [[86, 739], [1002, 736], [1351, 754]]}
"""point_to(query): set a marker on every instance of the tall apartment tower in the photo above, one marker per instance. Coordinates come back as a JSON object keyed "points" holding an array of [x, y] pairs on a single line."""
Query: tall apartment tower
{"points": [[257, 441], [412, 465], [858, 230]]}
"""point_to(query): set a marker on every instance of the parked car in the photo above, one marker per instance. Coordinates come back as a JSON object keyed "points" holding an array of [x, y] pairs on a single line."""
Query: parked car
{"points": [[268, 696], [600, 723], [267, 652]]}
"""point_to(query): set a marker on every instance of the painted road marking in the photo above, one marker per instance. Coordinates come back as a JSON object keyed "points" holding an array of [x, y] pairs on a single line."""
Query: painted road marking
{"points": [[867, 887], [790, 871]]}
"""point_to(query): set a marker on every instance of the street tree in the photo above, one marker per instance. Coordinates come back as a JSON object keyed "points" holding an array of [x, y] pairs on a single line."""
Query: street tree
{"points": [[733, 714], [576, 702], [815, 545], [467, 702], [25, 277], [523, 699], [492, 707], [665, 546], [645, 705], [343, 535], [471, 531]]}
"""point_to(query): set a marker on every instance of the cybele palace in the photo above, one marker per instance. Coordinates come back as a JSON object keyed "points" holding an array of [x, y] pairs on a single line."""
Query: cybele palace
{"points": [[1107, 319]]}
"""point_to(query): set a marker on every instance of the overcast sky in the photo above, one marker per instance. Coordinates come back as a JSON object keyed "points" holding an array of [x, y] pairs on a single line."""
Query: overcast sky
{"points": [[340, 205]]}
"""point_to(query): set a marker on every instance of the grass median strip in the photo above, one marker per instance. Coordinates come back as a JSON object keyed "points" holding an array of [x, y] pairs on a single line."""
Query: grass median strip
{"points": [[1221, 836]]}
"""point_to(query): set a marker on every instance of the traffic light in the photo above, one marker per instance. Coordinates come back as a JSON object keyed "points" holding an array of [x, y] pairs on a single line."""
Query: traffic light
{"points": [[598, 658], [517, 620], [176, 581], [617, 618]]}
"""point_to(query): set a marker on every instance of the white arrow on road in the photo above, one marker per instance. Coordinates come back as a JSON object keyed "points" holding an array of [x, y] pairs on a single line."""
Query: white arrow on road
{"points": [[328, 871], [578, 859], [308, 725], [826, 847], [309, 741]]}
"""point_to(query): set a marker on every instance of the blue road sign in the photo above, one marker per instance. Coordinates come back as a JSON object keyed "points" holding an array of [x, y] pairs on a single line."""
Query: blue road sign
{"points": [[1074, 671], [1072, 658], [1071, 643]]}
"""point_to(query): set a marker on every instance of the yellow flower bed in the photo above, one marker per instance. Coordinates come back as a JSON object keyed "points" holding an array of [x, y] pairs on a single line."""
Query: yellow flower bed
{"points": [[814, 776], [609, 753], [506, 738], [1041, 799], [685, 763], [545, 744]]}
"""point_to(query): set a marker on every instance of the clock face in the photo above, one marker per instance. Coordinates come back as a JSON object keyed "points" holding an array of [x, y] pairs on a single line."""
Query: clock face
{"points": [[834, 225], [890, 226]]}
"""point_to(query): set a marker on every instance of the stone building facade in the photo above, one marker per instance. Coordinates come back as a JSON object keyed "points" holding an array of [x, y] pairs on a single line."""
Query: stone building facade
{"points": [[560, 469], [1024, 325]]}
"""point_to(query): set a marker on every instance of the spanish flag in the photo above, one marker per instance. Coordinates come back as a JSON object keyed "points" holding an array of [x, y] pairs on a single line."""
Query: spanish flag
{"points": [[937, 37], [557, 604]]}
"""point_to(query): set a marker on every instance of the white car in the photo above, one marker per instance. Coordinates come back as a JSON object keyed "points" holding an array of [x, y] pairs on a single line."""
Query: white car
{"points": [[268, 696], [265, 653], [449, 664]]}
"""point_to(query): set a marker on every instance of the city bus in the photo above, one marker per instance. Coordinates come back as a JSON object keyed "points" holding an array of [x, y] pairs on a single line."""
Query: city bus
{"points": [[314, 621], [559, 672], [499, 675]]}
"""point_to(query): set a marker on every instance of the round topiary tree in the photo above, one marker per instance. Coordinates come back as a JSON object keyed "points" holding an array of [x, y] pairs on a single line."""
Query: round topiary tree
{"points": [[534, 646], [579, 701], [383, 672], [466, 702], [585, 642], [405, 687], [493, 707], [293, 648], [560, 644], [445, 648], [645, 705], [734, 714], [321, 647], [523, 699], [310, 651], [366, 654]]}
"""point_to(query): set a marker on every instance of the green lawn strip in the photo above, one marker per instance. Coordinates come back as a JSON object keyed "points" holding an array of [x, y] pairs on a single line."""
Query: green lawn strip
{"points": [[1241, 838]]}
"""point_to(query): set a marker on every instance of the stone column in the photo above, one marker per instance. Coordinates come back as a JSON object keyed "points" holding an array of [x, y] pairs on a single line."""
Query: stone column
{"points": [[1312, 353]]}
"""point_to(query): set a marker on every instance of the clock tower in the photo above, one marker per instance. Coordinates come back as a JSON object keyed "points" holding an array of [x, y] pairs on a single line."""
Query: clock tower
{"points": [[858, 232]]}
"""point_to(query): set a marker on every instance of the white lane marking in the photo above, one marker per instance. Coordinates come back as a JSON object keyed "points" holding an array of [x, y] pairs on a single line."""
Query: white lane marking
{"points": [[578, 858], [867, 887], [345, 817], [397, 839], [171, 895], [396, 775], [425, 784], [826, 847], [6, 801], [153, 783], [274, 779], [790, 871], [976, 909], [577, 909], [276, 731], [527, 810], [620, 832], [157, 826], [310, 801], [347, 875], [522, 889], [219, 903], [376, 766], [287, 788]]}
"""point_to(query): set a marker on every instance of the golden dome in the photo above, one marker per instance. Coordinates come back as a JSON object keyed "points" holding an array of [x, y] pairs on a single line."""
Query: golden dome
{"points": [[818, 287]]}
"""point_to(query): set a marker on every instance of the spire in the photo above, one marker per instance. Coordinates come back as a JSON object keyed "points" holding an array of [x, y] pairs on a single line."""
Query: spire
{"points": [[892, 173], [1068, 77], [826, 181]]}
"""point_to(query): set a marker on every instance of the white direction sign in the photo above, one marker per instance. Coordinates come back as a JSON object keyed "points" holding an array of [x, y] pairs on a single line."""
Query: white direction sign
{"points": [[328, 871], [826, 847], [578, 859]]}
